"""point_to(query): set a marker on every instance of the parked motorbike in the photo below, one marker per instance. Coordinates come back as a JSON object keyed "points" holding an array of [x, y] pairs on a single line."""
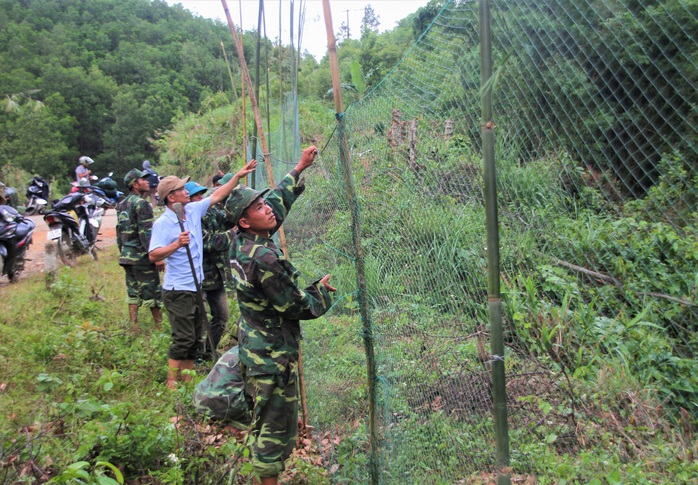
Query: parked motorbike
{"points": [[37, 196], [9, 196], [15, 237], [74, 223], [106, 188]]}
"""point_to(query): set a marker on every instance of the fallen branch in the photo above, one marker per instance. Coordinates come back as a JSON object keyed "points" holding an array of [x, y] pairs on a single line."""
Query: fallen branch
{"points": [[587, 272], [619, 283]]}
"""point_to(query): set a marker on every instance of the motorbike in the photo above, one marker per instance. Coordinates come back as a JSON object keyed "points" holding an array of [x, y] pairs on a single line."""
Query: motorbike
{"points": [[106, 189], [9, 196], [16, 234], [37, 196], [74, 223]]}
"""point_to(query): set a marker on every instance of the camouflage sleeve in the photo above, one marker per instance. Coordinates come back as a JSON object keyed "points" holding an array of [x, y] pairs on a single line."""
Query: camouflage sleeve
{"points": [[145, 218], [217, 236], [118, 234], [282, 197], [285, 297]]}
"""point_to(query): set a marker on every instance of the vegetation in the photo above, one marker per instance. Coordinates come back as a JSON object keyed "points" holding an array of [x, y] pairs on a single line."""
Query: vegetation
{"points": [[598, 236], [105, 78]]}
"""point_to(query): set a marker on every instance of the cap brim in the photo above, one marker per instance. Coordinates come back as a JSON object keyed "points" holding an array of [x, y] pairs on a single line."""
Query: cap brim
{"points": [[259, 194]]}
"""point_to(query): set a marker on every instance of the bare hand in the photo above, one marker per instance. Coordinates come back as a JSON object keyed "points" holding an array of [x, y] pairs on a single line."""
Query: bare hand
{"points": [[325, 283], [160, 266], [307, 158], [247, 169], [183, 239]]}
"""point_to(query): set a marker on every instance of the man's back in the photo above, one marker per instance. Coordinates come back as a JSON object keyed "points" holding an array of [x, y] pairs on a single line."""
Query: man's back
{"points": [[133, 229]]}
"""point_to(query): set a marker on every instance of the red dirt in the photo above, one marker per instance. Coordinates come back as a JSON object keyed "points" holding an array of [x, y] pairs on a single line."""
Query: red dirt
{"points": [[34, 262]]}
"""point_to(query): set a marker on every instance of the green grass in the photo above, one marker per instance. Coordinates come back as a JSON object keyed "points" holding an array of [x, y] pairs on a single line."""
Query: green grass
{"points": [[81, 393], [80, 387]]}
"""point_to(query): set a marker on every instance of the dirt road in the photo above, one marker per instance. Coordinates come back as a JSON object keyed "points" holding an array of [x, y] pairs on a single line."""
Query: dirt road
{"points": [[35, 255]]}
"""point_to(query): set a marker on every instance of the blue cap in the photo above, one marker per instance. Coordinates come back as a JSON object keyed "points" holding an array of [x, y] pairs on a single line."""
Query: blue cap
{"points": [[193, 188]]}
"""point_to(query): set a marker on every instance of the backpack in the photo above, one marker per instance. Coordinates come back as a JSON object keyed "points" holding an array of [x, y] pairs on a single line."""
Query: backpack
{"points": [[153, 179], [221, 395]]}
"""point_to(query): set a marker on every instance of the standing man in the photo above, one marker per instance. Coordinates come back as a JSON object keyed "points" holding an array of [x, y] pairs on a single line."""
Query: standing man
{"points": [[216, 180], [179, 290], [218, 236], [133, 228], [82, 172], [271, 306]]}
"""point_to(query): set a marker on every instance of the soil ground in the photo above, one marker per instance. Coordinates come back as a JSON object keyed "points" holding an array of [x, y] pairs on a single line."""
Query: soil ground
{"points": [[34, 262]]}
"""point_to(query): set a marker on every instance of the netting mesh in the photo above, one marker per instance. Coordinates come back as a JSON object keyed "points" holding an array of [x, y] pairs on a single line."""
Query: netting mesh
{"points": [[595, 107]]}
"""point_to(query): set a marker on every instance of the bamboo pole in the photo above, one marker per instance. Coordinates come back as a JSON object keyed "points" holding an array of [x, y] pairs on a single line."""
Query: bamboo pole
{"points": [[252, 180], [270, 178], [356, 239], [494, 299], [257, 56], [255, 109], [230, 72]]}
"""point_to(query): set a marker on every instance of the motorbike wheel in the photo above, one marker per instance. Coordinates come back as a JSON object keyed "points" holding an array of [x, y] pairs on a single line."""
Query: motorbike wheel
{"points": [[30, 210], [65, 249], [13, 275]]}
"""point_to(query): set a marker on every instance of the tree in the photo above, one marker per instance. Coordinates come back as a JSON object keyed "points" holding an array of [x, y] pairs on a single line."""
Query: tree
{"points": [[32, 136], [343, 33], [370, 21]]}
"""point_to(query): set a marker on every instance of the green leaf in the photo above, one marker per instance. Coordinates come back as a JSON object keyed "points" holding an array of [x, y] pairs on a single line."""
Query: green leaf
{"points": [[117, 473]]}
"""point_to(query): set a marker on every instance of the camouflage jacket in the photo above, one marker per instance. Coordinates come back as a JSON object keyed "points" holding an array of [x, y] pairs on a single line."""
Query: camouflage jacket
{"points": [[135, 221], [270, 300], [217, 243]]}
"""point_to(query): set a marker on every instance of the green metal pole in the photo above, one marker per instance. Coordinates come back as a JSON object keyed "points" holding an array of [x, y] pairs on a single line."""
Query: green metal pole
{"points": [[494, 300], [345, 162]]}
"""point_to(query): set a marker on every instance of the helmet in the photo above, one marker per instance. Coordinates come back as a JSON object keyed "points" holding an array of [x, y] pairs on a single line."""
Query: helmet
{"points": [[85, 160], [84, 182]]}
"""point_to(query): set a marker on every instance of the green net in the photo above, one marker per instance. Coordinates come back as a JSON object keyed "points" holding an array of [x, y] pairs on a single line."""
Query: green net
{"points": [[595, 111]]}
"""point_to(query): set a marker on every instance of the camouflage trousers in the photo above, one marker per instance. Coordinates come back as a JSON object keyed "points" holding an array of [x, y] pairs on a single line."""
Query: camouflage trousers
{"points": [[143, 285], [274, 403]]}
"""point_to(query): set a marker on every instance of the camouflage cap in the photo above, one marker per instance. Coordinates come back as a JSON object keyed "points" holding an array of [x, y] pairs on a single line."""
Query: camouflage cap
{"points": [[239, 200], [168, 185], [226, 178], [133, 175]]}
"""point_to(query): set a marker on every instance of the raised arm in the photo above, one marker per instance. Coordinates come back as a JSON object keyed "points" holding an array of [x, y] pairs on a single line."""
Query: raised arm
{"points": [[224, 190], [307, 159]]}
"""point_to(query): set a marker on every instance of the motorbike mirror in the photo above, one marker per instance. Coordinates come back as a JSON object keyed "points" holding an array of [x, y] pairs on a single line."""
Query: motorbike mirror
{"points": [[110, 174], [93, 177]]}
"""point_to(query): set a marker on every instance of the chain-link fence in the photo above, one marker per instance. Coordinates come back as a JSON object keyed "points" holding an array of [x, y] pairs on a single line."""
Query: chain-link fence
{"points": [[595, 111]]}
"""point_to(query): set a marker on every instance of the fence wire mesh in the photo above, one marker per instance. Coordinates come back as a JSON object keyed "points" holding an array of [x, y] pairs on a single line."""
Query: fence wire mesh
{"points": [[595, 112]]}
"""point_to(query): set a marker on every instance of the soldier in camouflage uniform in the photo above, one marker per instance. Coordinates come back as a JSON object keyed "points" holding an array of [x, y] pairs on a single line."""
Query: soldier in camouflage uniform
{"points": [[135, 221], [218, 236], [271, 306]]}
